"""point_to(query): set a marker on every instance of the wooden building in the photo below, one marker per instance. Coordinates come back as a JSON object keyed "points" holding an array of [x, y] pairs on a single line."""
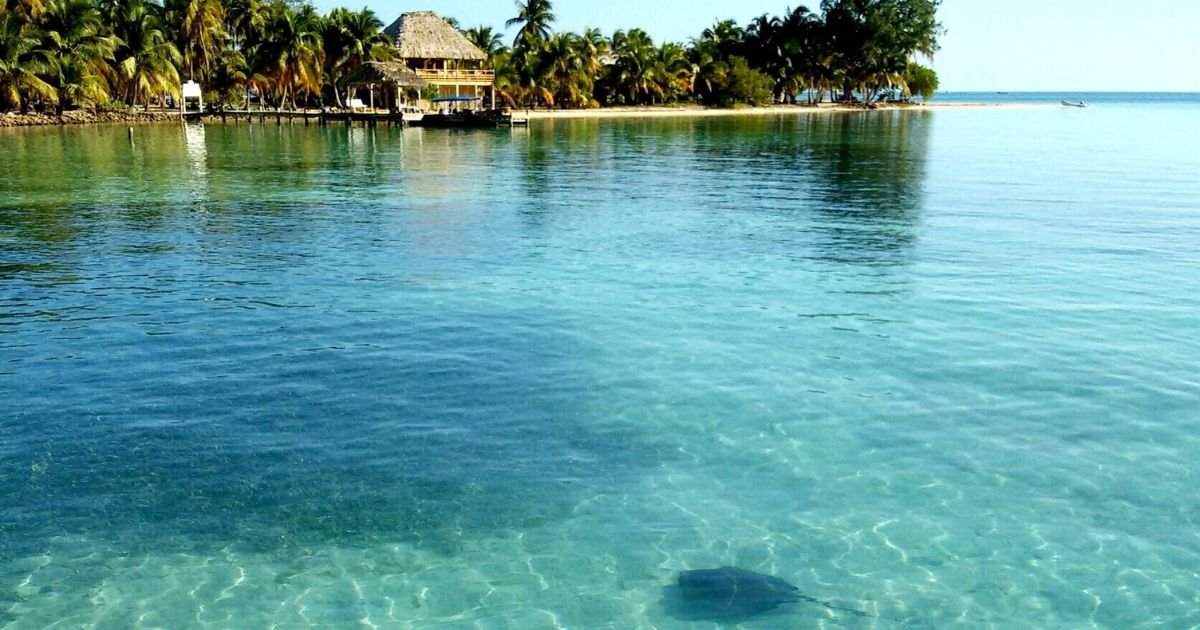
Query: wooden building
{"points": [[441, 57]]}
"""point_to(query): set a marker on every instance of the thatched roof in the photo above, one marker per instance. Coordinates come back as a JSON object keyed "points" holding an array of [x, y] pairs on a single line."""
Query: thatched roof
{"points": [[425, 35], [384, 72]]}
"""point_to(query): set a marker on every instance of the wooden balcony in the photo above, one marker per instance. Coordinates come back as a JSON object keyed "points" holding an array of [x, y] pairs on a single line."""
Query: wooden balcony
{"points": [[459, 77]]}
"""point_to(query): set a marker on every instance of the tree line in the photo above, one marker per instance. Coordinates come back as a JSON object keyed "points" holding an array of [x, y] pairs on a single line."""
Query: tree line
{"points": [[69, 54], [850, 49]]}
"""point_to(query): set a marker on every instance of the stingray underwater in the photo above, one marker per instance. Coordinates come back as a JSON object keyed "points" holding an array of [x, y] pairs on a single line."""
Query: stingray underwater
{"points": [[731, 594]]}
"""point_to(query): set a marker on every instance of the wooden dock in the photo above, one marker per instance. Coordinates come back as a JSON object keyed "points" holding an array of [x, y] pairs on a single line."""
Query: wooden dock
{"points": [[307, 117]]}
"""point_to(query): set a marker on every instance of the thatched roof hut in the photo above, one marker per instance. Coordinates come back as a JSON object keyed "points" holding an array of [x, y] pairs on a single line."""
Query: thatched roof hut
{"points": [[384, 73], [425, 35]]}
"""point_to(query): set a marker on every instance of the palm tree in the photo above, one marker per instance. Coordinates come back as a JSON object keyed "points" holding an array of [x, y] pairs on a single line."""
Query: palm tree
{"points": [[79, 84], [485, 39], [533, 70], [290, 53], [29, 10], [707, 67], [230, 74], [674, 71], [567, 69], [761, 35], [245, 20], [110, 10], [350, 38], [595, 49], [534, 17], [635, 73], [764, 48], [872, 41], [727, 36], [74, 32], [199, 27], [23, 65], [146, 60], [508, 78], [800, 31], [367, 39]]}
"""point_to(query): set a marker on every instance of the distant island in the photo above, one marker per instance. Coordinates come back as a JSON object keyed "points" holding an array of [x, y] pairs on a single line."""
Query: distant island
{"points": [[129, 56]]}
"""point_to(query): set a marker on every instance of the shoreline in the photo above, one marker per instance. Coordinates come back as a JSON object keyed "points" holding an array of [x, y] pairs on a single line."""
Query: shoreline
{"points": [[80, 117], [12, 120], [698, 111]]}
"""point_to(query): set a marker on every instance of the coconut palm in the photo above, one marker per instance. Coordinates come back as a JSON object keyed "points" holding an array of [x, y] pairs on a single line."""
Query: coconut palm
{"points": [[761, 37], [199, 29], [74, 31], [72, 24], [533, 69], [23, 65], [508, 78], [764, 46], [567, 69], [727, 36], [534, 17], [365, 37], [872, 41], [79, 84], [800, 34], [595, 48], [147, 62], [707, 67], [28, 10], [635, 73], [290, 53], [350, 38], [674, 72], [485, 39], [245, 21]]}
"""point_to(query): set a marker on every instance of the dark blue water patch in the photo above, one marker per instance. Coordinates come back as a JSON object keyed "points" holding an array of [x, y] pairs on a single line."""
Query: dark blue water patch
{"points": [[201, 414], [346, 445]]}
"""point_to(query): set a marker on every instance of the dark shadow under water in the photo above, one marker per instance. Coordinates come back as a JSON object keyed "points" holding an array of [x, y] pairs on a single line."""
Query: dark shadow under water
{"points": [[202, 412]]}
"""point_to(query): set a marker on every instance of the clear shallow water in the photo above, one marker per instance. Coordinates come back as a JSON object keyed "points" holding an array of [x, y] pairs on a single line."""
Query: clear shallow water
{"points": [[939, 367], [1093, 99]]}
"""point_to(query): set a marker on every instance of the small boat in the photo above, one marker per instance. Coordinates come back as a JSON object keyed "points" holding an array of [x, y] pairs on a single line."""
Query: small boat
{"points": [[457, 119], [1074, 104], [456, 116]]}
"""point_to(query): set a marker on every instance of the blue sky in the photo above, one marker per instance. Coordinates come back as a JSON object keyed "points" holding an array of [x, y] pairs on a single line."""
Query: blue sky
{"points": [[989, 45]]}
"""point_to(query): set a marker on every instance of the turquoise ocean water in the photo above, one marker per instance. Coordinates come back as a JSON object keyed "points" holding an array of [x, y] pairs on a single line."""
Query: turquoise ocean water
{"points": [[937, 367]]}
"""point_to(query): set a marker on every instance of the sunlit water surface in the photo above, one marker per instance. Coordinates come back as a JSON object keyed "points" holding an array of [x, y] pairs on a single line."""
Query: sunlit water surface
{"points": [[940, 368]]}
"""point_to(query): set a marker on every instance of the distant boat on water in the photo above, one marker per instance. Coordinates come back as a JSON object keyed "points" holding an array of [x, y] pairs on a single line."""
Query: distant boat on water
{"points": [[1074, 104]]}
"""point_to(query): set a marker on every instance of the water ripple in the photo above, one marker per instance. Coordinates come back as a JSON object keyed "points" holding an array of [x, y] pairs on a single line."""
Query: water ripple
{"points": [[519, 379]]}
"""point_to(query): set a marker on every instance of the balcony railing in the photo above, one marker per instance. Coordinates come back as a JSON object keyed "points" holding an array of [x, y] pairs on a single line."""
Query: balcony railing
{"points": [[487, 77]]}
